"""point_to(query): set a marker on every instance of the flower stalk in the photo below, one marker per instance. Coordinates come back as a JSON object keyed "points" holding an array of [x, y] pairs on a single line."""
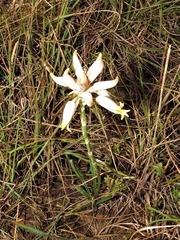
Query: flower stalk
{"points": [[93, 164]]}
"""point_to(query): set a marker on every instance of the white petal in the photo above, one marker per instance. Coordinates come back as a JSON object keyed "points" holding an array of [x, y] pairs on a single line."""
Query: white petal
{"points": [[68, 113], [103, 93], [78, 69], [87, 98], [112, 106], [59, 80], [69, 80], [66, 80], [105, 84], [95, 69]]}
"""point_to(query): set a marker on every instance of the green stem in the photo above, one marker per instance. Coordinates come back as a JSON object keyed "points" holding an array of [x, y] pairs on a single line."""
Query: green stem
{"points": [[93, 164]]}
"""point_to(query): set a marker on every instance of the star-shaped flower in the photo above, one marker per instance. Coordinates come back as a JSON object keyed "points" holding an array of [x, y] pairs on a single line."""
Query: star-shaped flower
{"points": [[83, 88]]}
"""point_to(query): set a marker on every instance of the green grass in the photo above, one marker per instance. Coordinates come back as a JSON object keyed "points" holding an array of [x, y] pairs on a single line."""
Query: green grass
{"points": [[49, 187]]}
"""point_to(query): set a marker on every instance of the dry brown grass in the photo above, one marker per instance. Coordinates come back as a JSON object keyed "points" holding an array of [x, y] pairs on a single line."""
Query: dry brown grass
{"points": [[38, 187]]}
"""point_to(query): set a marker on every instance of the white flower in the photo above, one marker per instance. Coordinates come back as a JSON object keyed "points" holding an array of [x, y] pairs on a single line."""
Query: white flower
{"points": [[83, 87]]}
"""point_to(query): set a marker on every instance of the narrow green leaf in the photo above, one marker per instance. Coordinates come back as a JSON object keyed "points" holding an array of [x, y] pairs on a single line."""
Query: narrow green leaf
{"points": [[32, 230]]}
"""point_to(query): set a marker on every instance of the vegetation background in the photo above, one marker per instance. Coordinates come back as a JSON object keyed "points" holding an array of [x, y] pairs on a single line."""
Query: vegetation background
{"points": [[46, 189]]}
